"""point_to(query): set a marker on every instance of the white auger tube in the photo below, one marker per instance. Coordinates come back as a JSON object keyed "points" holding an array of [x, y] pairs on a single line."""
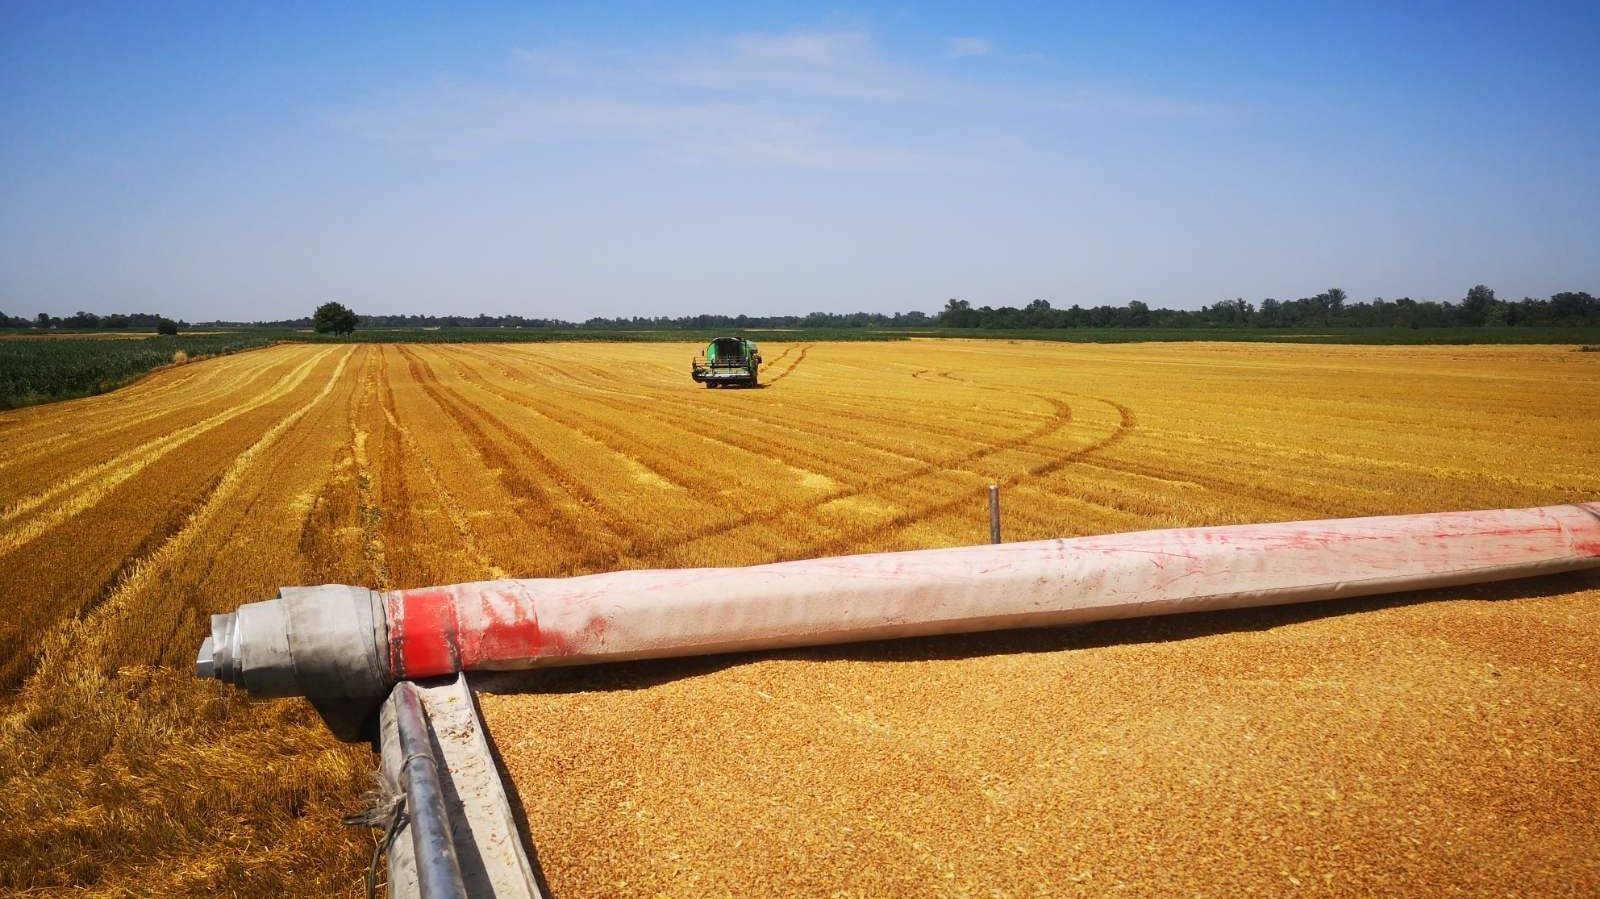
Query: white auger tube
{"points": [[519, 624]]}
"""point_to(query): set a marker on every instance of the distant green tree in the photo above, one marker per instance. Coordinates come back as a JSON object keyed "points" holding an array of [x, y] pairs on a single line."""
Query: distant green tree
{"points": [[168, 327], [1476, 304], [1336, 297], [1573, 307], [333, 318], [959, 314]]}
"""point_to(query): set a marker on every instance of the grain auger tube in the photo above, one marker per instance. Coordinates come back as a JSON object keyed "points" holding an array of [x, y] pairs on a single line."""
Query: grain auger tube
{"points": [[344, 647]]}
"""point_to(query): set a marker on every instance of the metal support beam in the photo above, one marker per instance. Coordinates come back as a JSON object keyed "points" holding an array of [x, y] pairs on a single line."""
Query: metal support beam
{"points": [[480, 825], [438, 869]]}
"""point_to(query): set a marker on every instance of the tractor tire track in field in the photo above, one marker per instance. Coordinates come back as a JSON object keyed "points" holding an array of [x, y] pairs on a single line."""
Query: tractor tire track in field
{"points": [[369, 508], [336, 528], [512, 480], [451, 504], [812, 431], [796, 452], [1242, 488], [808, 433], [646, 407], [580, 492], [773, 421], [563, 527], [98, 480], [140, 571], [1061, 416], [583, 428], [639, 409], [1060, 420], [1127, 422], [792, 366]]}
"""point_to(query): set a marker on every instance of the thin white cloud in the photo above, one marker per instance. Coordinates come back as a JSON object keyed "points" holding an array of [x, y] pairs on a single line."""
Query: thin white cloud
{"points": [[960, 47], [814, 48], [809, 98], [1106, 101], [842, 64]]}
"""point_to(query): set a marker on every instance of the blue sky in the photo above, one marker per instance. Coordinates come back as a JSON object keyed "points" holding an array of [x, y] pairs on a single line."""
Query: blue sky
{"points": [[251, 161]]}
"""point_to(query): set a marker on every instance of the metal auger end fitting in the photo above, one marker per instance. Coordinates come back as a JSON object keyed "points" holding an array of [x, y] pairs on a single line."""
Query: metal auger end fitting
{"points": [[317, 642], [219, 653], [328, 644], [205, 664]]}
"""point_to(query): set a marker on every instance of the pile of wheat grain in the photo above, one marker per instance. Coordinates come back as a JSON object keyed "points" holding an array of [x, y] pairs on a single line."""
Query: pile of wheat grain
{"points": [[1447, 744]]}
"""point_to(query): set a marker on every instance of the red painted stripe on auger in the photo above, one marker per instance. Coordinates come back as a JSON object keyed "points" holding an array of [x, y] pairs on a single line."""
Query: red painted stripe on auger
{"points": [[497, 626], [422, 633]]}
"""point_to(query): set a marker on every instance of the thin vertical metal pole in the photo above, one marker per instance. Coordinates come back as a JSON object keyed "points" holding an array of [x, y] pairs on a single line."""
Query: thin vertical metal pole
{"points": [[994, 513]]}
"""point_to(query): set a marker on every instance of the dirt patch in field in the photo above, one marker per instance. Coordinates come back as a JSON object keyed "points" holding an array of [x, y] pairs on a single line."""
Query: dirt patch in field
{"points": [[1377, 747]]}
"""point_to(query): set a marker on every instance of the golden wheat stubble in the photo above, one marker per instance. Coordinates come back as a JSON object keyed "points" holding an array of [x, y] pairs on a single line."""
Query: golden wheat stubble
{"points": [[1347, 754]]}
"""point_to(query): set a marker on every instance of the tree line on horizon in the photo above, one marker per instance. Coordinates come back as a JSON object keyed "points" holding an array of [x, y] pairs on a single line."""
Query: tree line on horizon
{"points": [[89, 321], [1331, 308]]}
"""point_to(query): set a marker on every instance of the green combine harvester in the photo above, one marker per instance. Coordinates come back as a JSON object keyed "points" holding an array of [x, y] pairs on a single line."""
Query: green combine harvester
{"points": [[727, 360]]}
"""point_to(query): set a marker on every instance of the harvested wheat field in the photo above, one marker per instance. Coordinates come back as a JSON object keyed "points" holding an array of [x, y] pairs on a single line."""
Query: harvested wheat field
{"points": [[1444, 744]]}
